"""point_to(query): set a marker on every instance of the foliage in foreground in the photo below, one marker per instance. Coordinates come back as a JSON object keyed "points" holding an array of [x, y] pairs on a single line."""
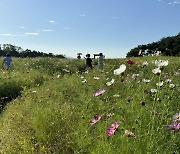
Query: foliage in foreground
{"points": [[53, 105]]}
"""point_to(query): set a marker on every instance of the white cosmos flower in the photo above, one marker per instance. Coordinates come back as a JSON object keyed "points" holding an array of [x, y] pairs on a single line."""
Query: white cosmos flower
{"points": [[176, 116], [171, 85], [109, 115], [116, 95], [160, 63], [58, 76], [146, 80], [96, 78], [110, 83], [120, 70], [159, 84], [168, 80], [84, 81], [153, 90], [156, 70], [145, 63], [65, 70], [134, 76]]}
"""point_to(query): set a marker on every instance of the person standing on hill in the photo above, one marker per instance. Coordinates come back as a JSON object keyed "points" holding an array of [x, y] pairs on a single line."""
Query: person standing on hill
{"points": [[100, 60], [7, 61], [88, 61]]}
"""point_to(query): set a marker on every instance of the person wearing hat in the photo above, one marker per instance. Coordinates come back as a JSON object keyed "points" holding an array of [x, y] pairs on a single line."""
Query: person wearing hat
{"points": [[88, 61]]}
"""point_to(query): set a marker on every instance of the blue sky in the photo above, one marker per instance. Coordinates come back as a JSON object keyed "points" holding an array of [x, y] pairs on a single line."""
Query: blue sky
{"points": [[88, 26]]}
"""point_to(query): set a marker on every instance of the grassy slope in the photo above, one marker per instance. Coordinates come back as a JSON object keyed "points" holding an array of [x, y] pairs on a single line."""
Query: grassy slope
{"points": [[53, 114]]}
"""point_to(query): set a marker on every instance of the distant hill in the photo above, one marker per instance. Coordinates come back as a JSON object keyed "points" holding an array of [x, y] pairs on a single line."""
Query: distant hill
{"points": [[169, 46], [16, 51]]}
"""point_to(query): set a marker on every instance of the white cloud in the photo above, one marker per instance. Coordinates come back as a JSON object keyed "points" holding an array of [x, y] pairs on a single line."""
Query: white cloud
{"points": [[82, 15], [46, 30], [32, 34], [174, 3], [7, 35], [114, 17], [52, 21], [22, 27]]}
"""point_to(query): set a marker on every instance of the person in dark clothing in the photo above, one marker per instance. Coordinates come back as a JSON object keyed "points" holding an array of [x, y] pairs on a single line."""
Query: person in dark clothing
{"points": [[88, 61]]}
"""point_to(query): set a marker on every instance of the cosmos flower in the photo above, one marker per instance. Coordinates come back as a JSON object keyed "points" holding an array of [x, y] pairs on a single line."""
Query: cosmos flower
{"points": [[129, 134], [65, 70], [110, 131], [175, 126], [156, 71], [96, 78], [120, 70], [116, 95], [110, 83], [176, 116], [145, 63], [160, 63], [134, 76], [84, 81], [146, 80], [130, 62], [153, 90], [109, 115], [97, 117], [176, 73], [99, 92], [58, 76], [168, 80], [171, 85], [113, 127], [159, 84]]}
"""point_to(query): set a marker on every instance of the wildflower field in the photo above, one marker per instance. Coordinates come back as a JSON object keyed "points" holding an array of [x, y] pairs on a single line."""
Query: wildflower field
{"points": [[132, 106]]}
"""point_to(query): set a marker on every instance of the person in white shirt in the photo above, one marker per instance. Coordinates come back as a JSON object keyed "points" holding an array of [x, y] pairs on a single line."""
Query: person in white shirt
{"points": [[100, 62], [7, 61]]}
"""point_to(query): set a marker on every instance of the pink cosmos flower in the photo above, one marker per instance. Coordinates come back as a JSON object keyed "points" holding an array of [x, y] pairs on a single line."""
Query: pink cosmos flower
{"points": [[175, 126], [113, 127], [99, 92], [97, 117], [110, 131], [130, 62]]}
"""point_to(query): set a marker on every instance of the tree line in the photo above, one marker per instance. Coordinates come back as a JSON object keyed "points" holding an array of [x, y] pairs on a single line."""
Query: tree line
{"points": [[16, 51], [168, 46]]}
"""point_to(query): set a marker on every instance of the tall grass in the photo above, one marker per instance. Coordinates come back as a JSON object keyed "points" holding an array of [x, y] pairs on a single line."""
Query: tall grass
{"points": [[52, 108]]}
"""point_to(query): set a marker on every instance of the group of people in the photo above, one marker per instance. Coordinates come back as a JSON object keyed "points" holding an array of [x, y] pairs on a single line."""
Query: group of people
{"points": [[89, 61], [7, 61]]}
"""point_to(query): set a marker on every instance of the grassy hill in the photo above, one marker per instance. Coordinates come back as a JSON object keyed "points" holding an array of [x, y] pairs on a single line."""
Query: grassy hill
{"points": [[47, 106]]}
